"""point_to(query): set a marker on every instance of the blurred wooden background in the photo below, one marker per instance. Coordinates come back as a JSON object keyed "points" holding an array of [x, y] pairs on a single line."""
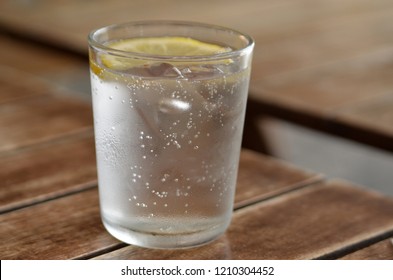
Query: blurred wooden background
{"points": [[321, 64]]}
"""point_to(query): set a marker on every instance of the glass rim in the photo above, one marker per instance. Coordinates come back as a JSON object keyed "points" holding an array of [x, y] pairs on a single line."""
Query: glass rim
{"points": [[249, 42]]}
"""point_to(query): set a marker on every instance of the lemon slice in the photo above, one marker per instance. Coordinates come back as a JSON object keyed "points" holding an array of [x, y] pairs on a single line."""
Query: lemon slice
{"points": [[158, 46], [168, 46]]}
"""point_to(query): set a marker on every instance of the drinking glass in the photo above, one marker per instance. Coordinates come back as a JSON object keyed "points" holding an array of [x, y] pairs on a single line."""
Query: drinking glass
{"points": [[168, 130]]}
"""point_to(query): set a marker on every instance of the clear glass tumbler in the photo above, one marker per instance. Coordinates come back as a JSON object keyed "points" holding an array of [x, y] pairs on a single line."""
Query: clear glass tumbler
{"points": [[168, 129]]}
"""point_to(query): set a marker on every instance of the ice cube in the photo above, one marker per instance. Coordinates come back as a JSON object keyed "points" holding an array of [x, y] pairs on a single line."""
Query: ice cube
{"points": [[173, 106], [155, 70], [164, 70], [201, 71]]}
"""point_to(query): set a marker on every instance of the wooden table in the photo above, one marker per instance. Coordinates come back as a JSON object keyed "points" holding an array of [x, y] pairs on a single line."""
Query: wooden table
{"points": [[48, 187], [325, 64], [49, 205]]}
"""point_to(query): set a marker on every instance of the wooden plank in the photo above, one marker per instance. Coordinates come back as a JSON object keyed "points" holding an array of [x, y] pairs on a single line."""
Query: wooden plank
{"points": [[351, 98], [45, 19], [309, 42], [301, 54], [324, 89], [70, 227], [45, 171], [313, 222], [11, 89], [41, 118], [56, 67], [56, 22], [261, 177], [382, 250], [59, 229], [374, 114]]}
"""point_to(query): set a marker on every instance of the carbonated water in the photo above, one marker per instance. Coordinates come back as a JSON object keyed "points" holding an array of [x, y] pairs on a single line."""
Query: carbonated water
{"points": [[168, 143]]}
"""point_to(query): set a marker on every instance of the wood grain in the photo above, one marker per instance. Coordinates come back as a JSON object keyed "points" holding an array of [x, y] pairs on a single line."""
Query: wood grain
{"points": [[45, 171], [312, 32], [310, 223], [261, 177], [59, 229], [374, 114], [51, 169], [351, 98], [325, 63], [306, 41], [326, 89], [11, 90], [27, 59], [382, 250], [41, 118], [310, 59], [69, 227]]}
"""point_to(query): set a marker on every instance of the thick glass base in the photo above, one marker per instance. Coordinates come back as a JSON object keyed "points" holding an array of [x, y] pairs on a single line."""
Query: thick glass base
{"points": [[165, 240]]}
